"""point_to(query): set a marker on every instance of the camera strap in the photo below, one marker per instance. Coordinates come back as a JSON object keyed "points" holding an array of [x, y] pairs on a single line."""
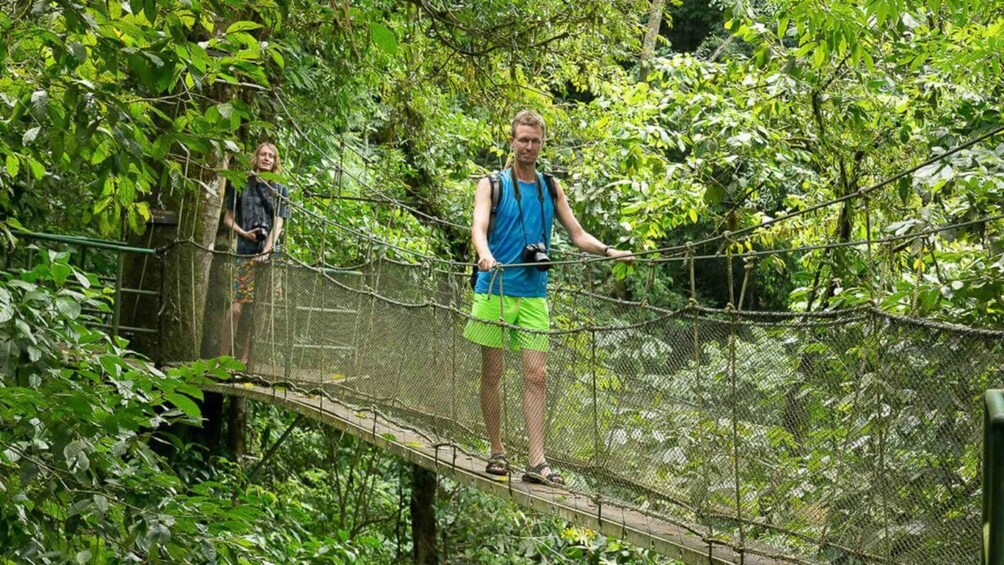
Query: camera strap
{"points": [[262, 198], [519, 204]]}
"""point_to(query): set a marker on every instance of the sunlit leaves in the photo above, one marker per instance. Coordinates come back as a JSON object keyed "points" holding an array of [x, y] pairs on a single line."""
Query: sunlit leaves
{"points": [[242, 26], [96, 102], [384, 38], [13, 165]]}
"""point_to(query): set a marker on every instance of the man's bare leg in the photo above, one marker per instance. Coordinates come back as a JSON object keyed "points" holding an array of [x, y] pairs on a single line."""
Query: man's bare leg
{"points": [[491, 406], [231, 321], [246, 333], [535, 403]]}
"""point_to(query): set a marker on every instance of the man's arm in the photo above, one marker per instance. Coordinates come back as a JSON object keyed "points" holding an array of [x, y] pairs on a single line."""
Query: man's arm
{"points": [[228, 221], [273, 236], [580, 237], [479, 227]]}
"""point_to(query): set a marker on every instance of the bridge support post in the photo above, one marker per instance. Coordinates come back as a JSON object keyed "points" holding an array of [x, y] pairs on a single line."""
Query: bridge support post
{"points": [[993, 478], [237, 421], [423, 515]]}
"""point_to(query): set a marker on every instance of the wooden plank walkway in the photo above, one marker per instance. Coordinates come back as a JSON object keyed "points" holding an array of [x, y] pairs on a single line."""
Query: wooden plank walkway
{"points": [[449, 461]]}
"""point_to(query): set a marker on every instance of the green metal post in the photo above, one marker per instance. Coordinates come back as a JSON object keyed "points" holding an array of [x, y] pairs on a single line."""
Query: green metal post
{"points": [[89, 242], [993, 477], [117, 309]]}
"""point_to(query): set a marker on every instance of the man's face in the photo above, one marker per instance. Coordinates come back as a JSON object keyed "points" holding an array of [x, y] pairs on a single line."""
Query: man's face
{"points": [[266, 159], [526, 144]]}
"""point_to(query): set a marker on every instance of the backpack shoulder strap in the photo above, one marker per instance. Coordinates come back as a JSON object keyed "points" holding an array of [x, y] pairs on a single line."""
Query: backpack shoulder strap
{"points": [[496, 186], [552, 189]]}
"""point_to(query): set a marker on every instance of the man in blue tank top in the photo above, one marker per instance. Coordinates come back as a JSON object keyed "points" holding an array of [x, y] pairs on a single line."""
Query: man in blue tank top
{"points": [[521, 232]]}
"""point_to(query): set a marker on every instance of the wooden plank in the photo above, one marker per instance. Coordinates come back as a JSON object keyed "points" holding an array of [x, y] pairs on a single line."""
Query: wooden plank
{"points": [[444, 458], [302, 376], [310, 346]]}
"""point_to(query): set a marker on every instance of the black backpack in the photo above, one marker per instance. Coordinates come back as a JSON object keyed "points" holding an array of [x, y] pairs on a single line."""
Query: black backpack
{"points": [[496, 186]]}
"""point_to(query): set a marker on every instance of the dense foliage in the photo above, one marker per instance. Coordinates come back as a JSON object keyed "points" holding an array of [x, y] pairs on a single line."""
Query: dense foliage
{"points": [[385, 113]]}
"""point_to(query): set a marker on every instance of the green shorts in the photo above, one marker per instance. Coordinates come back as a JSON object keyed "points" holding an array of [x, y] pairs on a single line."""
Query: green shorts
{"points": [[529, 313]]}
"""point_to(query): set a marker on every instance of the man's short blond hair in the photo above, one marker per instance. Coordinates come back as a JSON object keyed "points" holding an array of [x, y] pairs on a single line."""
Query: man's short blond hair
{"points": [[527, 118]]}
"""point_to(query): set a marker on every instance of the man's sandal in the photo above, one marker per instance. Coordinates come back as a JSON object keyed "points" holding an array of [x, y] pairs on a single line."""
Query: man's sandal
{"points": [[534, 475], [497, 465]]}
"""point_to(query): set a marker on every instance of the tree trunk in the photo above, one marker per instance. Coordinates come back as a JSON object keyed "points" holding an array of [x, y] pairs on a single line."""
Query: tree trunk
{"points": [[181, 273], [651, 36], [237, 420], [423, 516], [212, 423]]}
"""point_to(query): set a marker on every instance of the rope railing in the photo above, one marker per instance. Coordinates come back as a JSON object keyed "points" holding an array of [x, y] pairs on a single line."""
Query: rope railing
{"points": [[676, 250], [800, 437], [912, 235], [750, 428], [860, 193], [746, 428]]}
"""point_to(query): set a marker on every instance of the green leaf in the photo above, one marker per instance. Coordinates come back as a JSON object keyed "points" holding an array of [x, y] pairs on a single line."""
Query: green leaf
{"points": [[82, 279], [13, 165], [150, 11], [67, 307], [782, 26], [39, 103], [60, 272], [76, 456], [820, 55], [190, 390], [79, 52], [714, 194], [24, 330], [277, 57], [904, 188], [384, 38], [30, 135], [185, 404], [619, 271], [37, 169], [112, 364], [243, 25]]}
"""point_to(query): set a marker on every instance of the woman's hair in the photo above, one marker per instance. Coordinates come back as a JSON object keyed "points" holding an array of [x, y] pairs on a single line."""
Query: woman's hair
{"points": [[254, 157]]}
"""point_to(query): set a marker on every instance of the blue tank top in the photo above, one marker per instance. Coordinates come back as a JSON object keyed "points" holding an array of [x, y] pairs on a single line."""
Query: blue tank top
{"points": [[507, 241]]}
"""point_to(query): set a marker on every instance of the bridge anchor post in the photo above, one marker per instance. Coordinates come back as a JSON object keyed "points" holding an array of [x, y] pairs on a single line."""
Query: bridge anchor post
{"points": [[423, 515]]}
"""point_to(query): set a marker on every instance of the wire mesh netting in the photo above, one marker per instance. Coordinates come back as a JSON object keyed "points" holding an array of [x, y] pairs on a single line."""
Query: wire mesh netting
{"points": [[845, 437]]}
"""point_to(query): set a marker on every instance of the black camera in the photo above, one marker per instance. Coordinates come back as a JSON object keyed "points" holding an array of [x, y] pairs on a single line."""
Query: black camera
{"points": [[537, 253], [260, 233]]}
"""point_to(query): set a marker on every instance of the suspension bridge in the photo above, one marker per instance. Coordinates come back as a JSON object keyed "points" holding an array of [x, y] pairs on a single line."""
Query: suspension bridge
{"points": [[711, 435], [718, 436]]}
